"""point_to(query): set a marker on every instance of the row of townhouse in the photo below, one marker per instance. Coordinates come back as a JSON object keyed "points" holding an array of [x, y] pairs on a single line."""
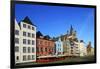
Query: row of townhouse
{"points": [[64, 45], [28, 46], [70, 45], [31, 45]]}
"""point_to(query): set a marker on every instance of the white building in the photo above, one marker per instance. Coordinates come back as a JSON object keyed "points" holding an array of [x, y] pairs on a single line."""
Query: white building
{"points": [[83, 51], [17, 43], [27, 41], [59, 47]]}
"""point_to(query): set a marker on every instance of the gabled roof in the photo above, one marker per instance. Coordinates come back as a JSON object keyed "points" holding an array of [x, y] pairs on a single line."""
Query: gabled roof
{"points": [[28, 21], [41, 36], [47, 37], [38, 34]]}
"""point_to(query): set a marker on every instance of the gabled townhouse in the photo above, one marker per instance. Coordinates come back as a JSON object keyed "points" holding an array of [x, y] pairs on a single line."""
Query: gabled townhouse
{"points": [[27, 41], [63, 39], [59, 47], [45, 46]]}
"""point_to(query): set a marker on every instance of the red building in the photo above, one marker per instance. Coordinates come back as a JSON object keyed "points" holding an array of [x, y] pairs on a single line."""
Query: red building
{"points": [[45, 49], [45, 46]]}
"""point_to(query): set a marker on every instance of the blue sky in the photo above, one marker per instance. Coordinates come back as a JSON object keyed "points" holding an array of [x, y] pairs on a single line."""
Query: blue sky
{"points": [[56, 20]]}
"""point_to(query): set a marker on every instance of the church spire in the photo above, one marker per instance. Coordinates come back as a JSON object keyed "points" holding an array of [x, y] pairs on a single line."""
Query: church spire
{"points": [[71, 30]]}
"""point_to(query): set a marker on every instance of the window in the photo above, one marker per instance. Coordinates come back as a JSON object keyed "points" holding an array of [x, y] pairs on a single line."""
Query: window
{"points": [[29, 57], [29, 35], [24, 33], [29, 50], [33, 35], [32, 57], [24, 41], [45, 49], [32, 49], [24, 57], [59, 45], [71, 51], [16, 49], [17, 32], [28, 41], [17, 40], [32, 28], [24, 49], [29, 27], [17, 58], [71, 47], [24, 25], [72, 43], [32, 42], [41, 49], [76, 47]]}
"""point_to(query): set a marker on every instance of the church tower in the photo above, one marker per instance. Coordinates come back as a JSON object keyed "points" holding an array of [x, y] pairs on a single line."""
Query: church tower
{"points": [[72, 31]]}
